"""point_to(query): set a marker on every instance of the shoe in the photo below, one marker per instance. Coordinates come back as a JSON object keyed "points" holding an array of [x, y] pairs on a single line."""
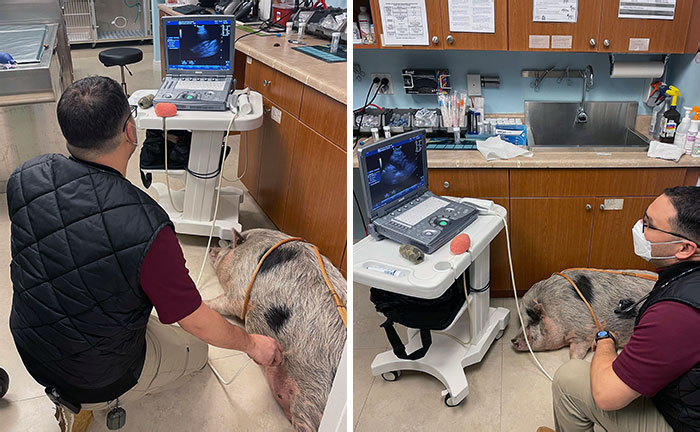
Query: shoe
{"points": [[78, 422], [544, 429]]}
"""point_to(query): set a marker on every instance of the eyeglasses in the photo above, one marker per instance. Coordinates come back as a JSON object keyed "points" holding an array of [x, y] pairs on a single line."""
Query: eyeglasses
{"points": [[132, 115], [646, 225]]}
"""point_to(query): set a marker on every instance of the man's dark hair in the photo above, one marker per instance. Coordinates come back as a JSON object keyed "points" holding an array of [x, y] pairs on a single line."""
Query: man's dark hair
{"points": [[686, 201], [91, 113]]}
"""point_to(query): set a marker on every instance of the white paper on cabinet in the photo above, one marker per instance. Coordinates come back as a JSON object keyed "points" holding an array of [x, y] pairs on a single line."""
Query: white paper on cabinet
{"points": [[565, 11], [472, 16], [404, 22], [645, 9]]}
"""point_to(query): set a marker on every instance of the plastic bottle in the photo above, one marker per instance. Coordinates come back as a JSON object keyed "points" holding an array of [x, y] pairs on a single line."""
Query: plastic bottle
{"points": [[671, 118], [682, 129], [363, 19], [692, 145], [655, 123]]}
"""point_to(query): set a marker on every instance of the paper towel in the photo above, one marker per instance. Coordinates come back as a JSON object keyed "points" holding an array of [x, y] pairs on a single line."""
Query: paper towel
{"points": [[637, 70], [495, 148], [665, 151]]}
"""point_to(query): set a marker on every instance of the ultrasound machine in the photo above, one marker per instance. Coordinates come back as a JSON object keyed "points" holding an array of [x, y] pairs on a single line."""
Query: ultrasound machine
{"points": [[199, 62], [394, 176]]}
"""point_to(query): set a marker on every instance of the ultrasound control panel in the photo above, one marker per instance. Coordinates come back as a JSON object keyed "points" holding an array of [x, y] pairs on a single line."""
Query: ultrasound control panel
{"points": [[427, 222], [195, 93]]}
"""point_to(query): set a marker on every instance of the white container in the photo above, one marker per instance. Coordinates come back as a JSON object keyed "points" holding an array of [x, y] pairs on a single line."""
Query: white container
{"points": [[363, 20], [655, 124], [682, 129], [691, 144]]}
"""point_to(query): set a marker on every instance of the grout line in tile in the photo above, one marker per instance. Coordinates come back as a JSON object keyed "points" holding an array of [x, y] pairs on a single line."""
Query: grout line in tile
{"points": [[364, 402]]}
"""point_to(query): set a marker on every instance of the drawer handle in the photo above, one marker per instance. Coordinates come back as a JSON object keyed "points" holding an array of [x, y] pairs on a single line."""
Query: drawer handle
{"points": [[450, 39], [588, 207], [446, 185], [606, 43], [592, 42], [267, 110], [266, 83], [435, 40], [602, 206]]}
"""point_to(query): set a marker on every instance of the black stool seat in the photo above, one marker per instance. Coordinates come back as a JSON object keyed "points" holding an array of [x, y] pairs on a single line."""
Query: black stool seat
{"points": [[120, 56]]}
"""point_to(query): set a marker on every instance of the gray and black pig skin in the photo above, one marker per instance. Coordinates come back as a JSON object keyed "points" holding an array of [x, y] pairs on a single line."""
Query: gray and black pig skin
{"points": [[291, 303], [555, 315]]}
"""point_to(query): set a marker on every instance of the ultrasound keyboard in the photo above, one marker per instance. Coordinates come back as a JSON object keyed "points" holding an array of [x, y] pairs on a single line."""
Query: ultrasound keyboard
{"points": [[427, 222]]}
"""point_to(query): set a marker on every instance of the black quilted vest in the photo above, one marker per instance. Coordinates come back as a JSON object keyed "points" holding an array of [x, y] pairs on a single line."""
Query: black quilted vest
{"points": [[679, 401], [80, 232]]}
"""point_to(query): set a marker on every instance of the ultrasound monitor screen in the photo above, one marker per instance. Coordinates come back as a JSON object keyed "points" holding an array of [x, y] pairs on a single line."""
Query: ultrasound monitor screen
{"points": [[395, 170], [199, 45]]}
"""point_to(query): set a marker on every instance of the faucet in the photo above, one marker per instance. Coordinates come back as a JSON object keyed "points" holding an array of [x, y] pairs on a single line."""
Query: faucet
{"points": [[587, 75]]}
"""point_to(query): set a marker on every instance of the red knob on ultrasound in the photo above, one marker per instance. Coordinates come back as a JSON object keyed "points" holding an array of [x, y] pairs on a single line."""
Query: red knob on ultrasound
{"points": [[166, 109], [460, 244]]}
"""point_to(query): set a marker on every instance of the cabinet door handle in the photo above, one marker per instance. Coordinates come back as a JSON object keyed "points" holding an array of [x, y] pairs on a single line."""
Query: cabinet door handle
{"points": [[436, 40], [592, 42], [267, 110], [602, 206], [450, 39], [266, 83], [606, 43], [446, 185], [588, 207]]}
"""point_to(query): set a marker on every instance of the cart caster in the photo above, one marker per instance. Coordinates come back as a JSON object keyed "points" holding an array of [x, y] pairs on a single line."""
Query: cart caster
{"points": [[500, 334], [391, 376], [450, 403], [4, 382]]}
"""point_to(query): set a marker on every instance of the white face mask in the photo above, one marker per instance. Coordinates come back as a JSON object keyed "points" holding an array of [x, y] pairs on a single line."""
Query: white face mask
{"points": [[642, 246]]}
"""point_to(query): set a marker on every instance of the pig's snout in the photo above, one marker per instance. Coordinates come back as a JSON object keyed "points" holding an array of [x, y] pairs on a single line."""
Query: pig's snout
{"points": [[519, 343]]}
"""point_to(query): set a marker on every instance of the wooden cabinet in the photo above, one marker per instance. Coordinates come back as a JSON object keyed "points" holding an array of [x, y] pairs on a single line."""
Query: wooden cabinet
{"points": [[618, 35], [597, 29], [276, 86], [317, 204], [325, 115], [477, 41], [275, 161], [440, 36], [583, 33]]}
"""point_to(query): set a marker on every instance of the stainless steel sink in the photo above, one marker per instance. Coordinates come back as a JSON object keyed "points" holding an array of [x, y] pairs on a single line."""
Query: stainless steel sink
{"points": [[610, 126]]}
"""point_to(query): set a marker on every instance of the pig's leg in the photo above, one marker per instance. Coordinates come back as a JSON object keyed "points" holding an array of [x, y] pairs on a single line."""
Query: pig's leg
{"points": [[221, 304], [283, 387], [578, 349]]}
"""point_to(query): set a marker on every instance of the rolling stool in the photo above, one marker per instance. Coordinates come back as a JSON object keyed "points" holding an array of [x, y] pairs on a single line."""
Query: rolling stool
{"points": [[121, 57]]}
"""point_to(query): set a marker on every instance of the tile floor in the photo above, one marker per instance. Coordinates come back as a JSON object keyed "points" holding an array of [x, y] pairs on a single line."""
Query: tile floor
{"points": [[507, 392], [203, 404]]}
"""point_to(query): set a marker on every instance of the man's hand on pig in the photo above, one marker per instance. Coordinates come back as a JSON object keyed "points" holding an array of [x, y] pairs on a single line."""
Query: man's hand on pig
{"points": [[264, 350]]}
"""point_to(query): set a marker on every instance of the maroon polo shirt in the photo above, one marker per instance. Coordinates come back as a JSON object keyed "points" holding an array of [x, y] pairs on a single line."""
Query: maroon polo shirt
{"points": [[663, 347], [166, 280]]}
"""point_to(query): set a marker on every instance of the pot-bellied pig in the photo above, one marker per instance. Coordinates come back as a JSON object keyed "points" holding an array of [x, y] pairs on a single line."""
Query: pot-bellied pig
{"points": [[291, 303], [555, 316]]}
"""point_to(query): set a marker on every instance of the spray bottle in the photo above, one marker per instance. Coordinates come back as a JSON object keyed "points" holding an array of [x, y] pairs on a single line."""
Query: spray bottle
{"points": [[660, 106], [692, 146], [671, 118]]}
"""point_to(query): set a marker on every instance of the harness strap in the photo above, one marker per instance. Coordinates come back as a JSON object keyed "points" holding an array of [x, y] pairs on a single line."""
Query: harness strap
{"points": [[342, 310]]}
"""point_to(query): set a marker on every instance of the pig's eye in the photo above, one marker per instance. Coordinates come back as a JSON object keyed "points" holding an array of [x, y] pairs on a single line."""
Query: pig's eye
{"points": [[535, 317]]}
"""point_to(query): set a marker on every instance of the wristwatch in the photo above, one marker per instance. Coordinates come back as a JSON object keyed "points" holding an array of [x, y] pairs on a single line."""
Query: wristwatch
{"points": [[604, 334]]}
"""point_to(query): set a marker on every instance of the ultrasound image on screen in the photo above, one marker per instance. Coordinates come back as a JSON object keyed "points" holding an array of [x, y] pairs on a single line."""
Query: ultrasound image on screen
{"points": [[199, 45], [394, 171]]}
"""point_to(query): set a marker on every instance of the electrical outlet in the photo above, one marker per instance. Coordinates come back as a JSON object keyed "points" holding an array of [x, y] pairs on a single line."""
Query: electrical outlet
{"points": [[389, 89]]}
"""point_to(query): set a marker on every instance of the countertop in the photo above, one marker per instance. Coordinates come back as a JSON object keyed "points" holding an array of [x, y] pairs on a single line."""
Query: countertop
{"points": [[552, 159], [327, 78]]}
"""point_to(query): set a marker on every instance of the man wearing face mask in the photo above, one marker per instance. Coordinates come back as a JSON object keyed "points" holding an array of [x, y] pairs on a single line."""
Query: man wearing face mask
{"points": [[91, 256], [654, 383]]}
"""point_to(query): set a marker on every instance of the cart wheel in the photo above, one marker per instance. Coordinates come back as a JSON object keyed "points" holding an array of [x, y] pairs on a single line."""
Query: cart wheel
{"points": [[500, 334], [391, 376], [4, 382], [449, 402]]}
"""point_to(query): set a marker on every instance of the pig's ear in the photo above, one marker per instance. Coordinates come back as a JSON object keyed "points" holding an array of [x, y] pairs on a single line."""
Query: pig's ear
{"points": [[538, 308], [237, 238]]}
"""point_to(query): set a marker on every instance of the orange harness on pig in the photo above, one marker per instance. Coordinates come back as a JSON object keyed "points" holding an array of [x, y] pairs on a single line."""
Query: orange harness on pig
{"points": [[595, 320], [338, 302]]}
